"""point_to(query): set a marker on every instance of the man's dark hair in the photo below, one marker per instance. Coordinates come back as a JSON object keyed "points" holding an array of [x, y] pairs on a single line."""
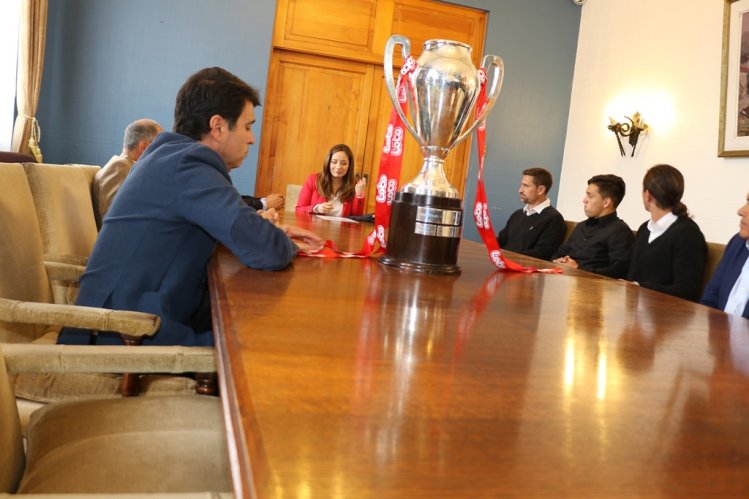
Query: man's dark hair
{"points": [[541, 176], [208, 92], [610, 186]]}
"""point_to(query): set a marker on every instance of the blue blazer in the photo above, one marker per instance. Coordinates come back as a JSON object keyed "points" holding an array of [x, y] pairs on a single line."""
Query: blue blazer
{"points": [[728, 270], [175, 206]]}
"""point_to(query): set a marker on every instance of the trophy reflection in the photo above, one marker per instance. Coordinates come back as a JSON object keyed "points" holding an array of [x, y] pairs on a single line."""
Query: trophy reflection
{"points": [[427, 215]]}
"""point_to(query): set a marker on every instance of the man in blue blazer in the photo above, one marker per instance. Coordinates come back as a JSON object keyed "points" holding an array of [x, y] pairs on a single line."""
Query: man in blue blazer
{"points": [[173, 209], [728, 289]]}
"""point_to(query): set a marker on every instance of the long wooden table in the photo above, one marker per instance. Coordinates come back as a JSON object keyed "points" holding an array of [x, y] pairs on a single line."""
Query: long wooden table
{"points": [[346, 378]]}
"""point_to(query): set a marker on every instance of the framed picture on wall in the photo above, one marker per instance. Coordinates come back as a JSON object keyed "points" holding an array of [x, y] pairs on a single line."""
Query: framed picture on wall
{"points": [[734, 93]]}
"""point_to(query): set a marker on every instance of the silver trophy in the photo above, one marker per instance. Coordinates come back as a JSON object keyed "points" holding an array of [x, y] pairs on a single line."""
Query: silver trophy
{"points": [[426, 218]]}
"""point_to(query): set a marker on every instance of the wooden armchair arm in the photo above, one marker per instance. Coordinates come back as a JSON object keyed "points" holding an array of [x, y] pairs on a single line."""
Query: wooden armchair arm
{"points": [[136, 324], [59, 271], [25, 357], [143, 495], [69, 259]]}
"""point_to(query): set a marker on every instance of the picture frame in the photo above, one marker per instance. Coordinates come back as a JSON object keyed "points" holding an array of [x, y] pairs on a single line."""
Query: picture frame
{"points": [[734, 93]]}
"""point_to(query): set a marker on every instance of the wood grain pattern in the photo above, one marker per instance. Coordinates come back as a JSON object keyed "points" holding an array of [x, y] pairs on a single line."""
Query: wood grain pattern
{"points": [[352, 379], [326, 85]]}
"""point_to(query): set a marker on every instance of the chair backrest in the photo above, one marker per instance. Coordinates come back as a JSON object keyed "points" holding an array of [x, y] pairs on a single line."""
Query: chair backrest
{"points": [[714, 255], [22, 273], [570, 227], [15, 157], [62, 196], [292, 194], [12, 460]]}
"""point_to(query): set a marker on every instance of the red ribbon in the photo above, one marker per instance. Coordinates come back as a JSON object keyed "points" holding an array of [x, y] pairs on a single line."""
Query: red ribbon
{"points": [[389, 171], [389, 174], [480, 208], [480, 211]]}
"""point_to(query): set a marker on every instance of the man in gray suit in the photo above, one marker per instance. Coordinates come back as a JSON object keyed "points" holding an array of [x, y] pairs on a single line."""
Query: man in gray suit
{"points": [[138, 136]]}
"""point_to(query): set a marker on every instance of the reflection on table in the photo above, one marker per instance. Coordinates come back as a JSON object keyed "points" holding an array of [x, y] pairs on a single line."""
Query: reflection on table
{"points": [[347, 378]]}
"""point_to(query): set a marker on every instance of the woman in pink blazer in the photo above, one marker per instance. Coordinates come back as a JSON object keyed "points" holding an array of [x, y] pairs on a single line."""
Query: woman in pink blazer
{"points": [[333, 191]]}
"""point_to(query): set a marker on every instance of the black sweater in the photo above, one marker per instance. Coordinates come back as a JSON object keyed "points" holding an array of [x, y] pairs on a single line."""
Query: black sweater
{"points": [[674, 263], [601, 245], [538, 235]]}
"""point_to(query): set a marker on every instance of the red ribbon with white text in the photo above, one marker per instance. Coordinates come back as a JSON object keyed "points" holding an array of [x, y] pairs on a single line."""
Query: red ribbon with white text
{"points": [[391, 159], [388, 176], [480, 210]]}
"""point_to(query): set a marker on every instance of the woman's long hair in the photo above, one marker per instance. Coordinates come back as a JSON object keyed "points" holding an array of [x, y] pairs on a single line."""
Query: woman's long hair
{"points": [[325, 180], [666, 184]]}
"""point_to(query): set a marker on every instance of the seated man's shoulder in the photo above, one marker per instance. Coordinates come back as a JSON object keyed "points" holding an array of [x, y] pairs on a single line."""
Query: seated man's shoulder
{"points": [[115, 167], [622, 226], [554, 213]]}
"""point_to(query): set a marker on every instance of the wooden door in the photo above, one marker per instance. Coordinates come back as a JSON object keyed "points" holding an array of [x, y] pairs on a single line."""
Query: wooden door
{"points": [[326, 85], [313, 103]]}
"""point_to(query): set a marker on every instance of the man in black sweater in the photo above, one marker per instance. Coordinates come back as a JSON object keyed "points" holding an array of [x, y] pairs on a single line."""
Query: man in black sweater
{"points": [[537, 229], [601, 243]]}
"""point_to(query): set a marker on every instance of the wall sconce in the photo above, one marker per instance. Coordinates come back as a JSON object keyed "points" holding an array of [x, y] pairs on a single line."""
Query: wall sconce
{"points": [[633, 129]]}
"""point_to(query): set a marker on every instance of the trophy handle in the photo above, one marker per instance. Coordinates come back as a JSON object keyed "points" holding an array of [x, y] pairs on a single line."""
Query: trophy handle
{"points": [[498, 65], [390, 81]]}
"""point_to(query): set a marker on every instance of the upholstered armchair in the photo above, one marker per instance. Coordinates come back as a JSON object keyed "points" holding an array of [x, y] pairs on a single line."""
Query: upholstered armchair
{"points": [[127, 446], [62, 199], [29, 314]]}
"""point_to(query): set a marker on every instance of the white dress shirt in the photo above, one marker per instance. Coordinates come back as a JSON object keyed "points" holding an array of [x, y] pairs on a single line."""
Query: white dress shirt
{"points": [[538, 208], [658, 228], [740, 292]]}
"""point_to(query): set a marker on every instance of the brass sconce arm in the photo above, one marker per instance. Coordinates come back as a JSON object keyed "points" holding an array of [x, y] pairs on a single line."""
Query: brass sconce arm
{"points": [[632, 130]]}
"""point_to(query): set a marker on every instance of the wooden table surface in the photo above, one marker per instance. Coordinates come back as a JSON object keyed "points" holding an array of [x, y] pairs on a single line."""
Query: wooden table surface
{"points": [[346, 378]]}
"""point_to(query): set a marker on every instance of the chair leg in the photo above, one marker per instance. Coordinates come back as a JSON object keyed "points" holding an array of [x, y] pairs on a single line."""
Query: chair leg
{"points": [[130, 386], [207, 383]]}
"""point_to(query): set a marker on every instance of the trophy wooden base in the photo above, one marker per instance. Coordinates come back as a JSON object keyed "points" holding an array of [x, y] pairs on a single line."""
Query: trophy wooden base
{"points": [[424, 234]]}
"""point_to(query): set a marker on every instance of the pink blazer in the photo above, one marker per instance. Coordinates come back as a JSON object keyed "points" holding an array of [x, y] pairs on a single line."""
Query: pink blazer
{"points": [[309, 198]]}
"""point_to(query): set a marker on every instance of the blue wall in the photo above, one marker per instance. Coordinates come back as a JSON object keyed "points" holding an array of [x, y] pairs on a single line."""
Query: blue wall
{"points": [[527, 127], [109, 62]]}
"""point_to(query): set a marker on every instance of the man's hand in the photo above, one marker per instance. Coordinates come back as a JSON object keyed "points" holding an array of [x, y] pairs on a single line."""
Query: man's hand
{"points": [[269, 214], [275, 201], [568, 261], [306, 240]]}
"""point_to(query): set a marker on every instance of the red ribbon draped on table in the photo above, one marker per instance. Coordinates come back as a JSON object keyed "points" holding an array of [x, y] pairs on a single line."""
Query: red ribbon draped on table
{"points": [[389, 175]]}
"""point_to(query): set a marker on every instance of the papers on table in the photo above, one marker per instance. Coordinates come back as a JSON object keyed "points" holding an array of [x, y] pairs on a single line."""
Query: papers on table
{"points": [[337, 219]]}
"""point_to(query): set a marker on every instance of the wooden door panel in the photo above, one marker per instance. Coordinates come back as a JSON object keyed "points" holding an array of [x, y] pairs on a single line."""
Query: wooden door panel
{"points": [[422, 20], [326, 85], [315, 103], [354, 29]]}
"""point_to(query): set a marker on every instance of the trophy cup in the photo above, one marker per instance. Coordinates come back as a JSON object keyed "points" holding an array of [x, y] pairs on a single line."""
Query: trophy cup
{"points": [[426, 217]]}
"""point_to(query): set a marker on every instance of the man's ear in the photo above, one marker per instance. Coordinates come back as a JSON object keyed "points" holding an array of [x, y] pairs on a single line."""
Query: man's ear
{"points": [[647, 196], [218, 127], [142, 145], [542, 189], [608, 202]]}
